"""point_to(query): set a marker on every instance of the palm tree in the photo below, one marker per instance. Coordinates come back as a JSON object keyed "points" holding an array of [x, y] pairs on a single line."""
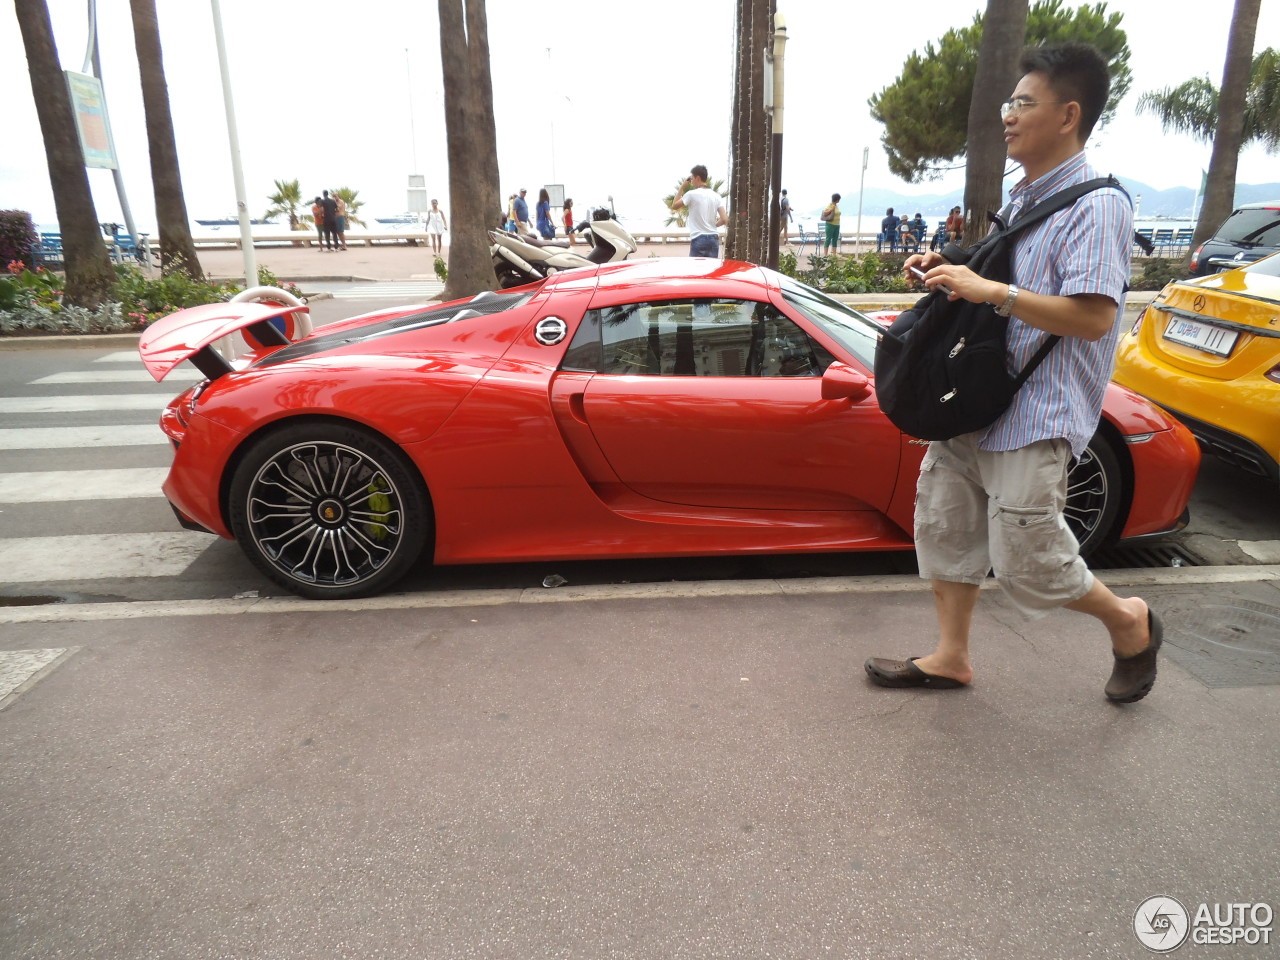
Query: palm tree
{"points": [[1220, 185], [286, 200], [177, 252], [89, 273], [677, 218], [1192, 106], [471, 143], [1004, 31], [348, 197]]}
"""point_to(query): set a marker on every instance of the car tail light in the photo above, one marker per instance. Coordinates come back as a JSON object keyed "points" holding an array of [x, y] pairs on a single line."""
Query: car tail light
{"points": [[1195, 259], [1133, 331]]}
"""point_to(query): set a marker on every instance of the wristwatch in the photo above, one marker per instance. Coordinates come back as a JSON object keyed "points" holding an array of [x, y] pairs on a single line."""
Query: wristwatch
{"points": [[1006, 309]]}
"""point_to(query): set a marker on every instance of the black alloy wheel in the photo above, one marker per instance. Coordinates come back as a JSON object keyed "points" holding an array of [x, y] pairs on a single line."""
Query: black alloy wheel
{"points": [[1094, 495], [329, 510]]}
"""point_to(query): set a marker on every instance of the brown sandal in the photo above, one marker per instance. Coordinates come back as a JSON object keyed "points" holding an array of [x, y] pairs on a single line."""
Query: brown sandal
{"points": [[1133, 677]]}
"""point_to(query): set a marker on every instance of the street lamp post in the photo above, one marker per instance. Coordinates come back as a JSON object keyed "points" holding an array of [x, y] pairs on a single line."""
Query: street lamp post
{"points": [[775, 210], [242, 207]]}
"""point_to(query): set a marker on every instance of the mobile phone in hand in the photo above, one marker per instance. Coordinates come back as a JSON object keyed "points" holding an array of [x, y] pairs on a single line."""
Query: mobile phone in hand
{"points": [[919, 275]]}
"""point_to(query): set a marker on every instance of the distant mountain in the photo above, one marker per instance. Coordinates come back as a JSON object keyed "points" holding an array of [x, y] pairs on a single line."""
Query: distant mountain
{"points": [[1175, 203]]}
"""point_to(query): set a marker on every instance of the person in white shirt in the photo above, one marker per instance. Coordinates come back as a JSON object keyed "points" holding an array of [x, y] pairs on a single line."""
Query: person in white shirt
{"points": [[706, 213]]}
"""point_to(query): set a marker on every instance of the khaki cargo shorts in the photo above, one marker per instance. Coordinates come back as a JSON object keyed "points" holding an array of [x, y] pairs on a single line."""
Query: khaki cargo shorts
{"points": [[978, 510]]}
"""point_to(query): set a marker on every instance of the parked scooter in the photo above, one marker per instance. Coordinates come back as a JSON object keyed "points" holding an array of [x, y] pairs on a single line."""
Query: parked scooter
{"points": [[518, 260]]}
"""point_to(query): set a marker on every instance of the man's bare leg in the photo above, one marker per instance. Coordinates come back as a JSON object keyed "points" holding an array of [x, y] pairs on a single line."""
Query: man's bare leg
{"points": [[954, 603]]}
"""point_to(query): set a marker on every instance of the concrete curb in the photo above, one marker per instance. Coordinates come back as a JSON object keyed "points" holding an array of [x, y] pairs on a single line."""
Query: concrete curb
{"points": [[818, 586]]}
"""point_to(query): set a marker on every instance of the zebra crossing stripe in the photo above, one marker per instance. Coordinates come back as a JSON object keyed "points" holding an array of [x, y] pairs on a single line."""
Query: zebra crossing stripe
{"points": [[139, 375], [119, 356], [100, 556], [84, 404], [60, 485], [61, 438]]}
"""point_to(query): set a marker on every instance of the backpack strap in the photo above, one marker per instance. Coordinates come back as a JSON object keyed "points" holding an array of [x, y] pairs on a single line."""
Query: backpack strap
{"points": [[1063, 198], [1046, 208]]}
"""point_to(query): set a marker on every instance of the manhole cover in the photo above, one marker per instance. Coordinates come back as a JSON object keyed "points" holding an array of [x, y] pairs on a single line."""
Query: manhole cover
{"points": [[1234, 643]]}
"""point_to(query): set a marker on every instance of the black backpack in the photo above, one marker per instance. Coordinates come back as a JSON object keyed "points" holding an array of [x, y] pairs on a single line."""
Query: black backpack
{"points": [[941, 367]]}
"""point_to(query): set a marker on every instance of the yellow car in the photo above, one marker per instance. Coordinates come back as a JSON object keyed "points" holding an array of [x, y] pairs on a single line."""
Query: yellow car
{"points": [[1208, 351]]}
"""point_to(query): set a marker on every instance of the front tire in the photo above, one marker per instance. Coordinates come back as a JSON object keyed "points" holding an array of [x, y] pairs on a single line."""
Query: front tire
{"points": [[329, 510], [1094, 494]]}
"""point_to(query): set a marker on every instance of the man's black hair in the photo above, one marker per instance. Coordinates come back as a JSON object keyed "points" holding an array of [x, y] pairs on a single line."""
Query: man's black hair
{"points": [[1075, 71]]}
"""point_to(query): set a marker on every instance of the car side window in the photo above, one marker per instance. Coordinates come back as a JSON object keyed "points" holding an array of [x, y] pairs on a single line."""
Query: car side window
{"points": [[700, 337]]}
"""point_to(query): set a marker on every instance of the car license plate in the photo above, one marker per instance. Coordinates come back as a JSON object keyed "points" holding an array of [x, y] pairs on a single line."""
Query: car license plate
{"points": [[1202, 336]]}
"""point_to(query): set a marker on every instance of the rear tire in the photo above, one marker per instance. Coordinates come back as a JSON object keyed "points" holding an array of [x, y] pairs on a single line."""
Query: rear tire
{"points": [[1094, 495], [329, 510]]}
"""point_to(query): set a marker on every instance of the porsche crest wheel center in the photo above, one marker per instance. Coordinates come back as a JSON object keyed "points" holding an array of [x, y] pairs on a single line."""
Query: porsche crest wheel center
{"points": [[330, 512]]}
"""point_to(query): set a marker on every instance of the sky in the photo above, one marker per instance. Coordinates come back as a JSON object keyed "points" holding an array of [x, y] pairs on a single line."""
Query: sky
{"points": [[611, 99]]}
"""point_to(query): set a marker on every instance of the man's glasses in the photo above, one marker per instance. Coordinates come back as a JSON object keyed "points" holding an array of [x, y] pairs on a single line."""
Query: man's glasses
{"points": [[1014, 108]]}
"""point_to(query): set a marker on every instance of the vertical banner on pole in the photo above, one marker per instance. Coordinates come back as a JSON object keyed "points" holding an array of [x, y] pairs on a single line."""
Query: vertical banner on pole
{"points": [[90, 108]]}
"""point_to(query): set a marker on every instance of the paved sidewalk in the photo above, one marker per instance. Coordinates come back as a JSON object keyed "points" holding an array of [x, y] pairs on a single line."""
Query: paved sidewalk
{"points": [[650, 776]]}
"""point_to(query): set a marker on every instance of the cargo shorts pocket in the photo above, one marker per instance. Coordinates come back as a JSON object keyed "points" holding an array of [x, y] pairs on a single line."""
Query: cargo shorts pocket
{"points": [[1030, 541]]}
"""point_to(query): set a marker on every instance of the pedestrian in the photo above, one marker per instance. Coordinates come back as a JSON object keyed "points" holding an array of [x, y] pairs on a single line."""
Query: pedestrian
{"points": [[955, 225], [341, 221], [831, 217], [522, 215], [888, 232], [546, 229], [918, 228], [436, 226], [706, 213], [317, 215], [568, 221], [330, 234], [784, 215], [512, 225], [996, 497]]}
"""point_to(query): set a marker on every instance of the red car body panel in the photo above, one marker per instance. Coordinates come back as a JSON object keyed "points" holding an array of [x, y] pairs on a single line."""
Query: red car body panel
{"points": [[525, 461]]}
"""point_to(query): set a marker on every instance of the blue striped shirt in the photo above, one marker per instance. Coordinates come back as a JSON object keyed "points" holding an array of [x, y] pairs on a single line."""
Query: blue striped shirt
{"points": [[1082, 249]]}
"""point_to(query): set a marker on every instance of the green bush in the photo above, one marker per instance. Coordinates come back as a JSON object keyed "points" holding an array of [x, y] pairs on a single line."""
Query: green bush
{"points": [[1158, 271], [32, 300], [855, 273], [17, 238]]}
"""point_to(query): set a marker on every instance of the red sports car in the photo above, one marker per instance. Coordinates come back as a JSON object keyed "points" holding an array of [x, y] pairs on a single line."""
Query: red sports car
{"points": [[648, 408]]}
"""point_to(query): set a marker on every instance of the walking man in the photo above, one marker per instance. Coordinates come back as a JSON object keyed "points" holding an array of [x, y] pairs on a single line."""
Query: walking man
{"points": [[995, 498], [706, 213]]}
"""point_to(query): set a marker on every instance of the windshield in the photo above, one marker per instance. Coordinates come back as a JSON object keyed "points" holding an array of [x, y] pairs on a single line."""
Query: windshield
{"points": [[1252, 226], [856, 333]]}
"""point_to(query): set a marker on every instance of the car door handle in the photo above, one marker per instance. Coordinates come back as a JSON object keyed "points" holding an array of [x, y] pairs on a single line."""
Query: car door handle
{"points": [[577, 407]]}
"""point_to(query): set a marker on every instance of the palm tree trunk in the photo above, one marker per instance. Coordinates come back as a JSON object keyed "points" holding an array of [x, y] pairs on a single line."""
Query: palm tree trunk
{"points": [[89, 273], [472, 145], [1004, 31], [1220, 186], [177, 251], [749, 181]]}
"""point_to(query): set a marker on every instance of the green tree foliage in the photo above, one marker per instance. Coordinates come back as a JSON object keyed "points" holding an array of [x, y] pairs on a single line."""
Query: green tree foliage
{"points": [[925, 111], [348, 196], [1192, 106], [286, 200], [677, 218]]}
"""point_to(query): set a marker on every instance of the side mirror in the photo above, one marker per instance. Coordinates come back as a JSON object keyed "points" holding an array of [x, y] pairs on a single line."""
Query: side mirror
{"points": [[841, 381]]}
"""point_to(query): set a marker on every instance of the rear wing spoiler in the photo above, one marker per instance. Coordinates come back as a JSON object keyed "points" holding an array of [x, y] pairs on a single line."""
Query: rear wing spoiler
{"points": [[190, 334]]}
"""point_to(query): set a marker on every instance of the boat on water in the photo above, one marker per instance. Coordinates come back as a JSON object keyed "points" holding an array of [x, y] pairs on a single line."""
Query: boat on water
{"points": [[229, 222], [401, 218]]}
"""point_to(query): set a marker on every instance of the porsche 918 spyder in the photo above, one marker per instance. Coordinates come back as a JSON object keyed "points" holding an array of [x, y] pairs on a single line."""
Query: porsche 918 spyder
{"points": [[641, 409]]}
